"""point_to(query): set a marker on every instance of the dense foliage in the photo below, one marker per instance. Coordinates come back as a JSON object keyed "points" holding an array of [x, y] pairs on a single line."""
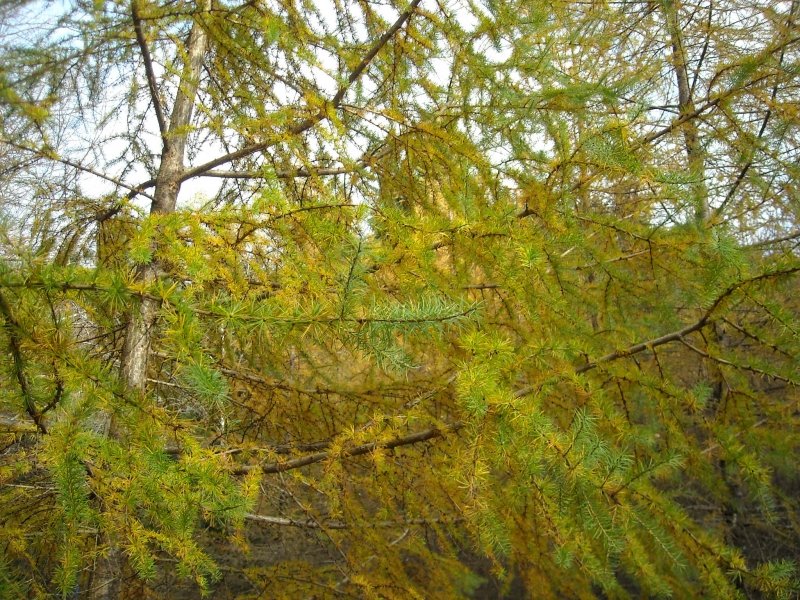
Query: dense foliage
{"points": [[388, 300]]}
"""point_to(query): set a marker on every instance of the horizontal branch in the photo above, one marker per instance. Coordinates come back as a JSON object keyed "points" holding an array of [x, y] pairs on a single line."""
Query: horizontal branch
{"points": [[292, 174], [298, 322], [302, 461], [301, 172], [794, 235], [335, 524]]}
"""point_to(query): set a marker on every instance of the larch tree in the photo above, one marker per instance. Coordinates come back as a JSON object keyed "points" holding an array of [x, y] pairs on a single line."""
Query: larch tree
{"points": [[399, 299]]}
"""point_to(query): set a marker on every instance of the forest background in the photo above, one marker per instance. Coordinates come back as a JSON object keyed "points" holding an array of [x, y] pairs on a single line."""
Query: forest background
{"points": [[459, 299]]}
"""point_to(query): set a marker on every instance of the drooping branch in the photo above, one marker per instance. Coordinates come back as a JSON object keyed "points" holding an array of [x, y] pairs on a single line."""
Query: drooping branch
{"points": [[79, 167], [722, 361]]}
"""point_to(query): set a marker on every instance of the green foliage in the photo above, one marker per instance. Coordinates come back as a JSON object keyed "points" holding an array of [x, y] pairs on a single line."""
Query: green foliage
{"points": [[207, 384]]}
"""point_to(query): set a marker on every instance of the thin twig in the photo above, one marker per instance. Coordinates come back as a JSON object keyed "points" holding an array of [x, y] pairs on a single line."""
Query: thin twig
{"points": [[723, 361], [134, 190]]}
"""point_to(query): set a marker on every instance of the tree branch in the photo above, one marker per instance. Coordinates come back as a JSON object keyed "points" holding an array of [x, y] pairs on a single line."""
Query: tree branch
{"points": [[675, 336], [148, 67], [716, 100], [292, 174], [786, 238], [302, 461], [642, 346], [301, 172], [728, 363], [765, 121], [429, 434], [12, 328], [64, 161], [686, 117], [312, 524], [382, 41]]}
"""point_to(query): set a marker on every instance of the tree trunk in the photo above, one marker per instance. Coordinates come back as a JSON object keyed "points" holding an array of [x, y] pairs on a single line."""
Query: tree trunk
{"points": [[691, 134], [107, 579]]}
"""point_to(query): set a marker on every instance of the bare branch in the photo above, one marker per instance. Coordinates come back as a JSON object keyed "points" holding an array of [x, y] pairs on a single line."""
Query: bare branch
{"points": [[302, 461], [148, 67], [65, 161], [706, 319]]}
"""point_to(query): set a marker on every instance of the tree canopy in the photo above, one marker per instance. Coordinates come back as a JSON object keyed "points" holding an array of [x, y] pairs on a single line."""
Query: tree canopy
{"points": [[453, 299]]}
